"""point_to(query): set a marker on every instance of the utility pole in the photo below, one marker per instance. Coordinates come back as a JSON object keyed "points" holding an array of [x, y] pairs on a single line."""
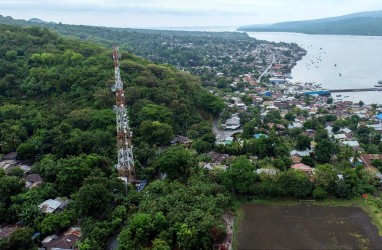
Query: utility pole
{"points": [[125, 163]]}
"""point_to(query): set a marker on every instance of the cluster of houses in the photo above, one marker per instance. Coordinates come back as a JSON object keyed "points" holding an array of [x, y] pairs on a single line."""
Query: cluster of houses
{"points": [[9, 162], [284, 96], [62, 241]]}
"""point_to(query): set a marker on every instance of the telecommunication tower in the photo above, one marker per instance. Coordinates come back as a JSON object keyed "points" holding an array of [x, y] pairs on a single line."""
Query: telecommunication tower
{"points": [[125, 163]]}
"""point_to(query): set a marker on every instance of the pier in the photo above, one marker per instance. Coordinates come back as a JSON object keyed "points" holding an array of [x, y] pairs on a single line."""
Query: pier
{"points": [[354, 90], [329, 91]]}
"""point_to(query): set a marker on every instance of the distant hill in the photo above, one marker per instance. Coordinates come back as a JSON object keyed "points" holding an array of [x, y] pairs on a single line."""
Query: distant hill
{"points": [[37, 20], [362, 23]]}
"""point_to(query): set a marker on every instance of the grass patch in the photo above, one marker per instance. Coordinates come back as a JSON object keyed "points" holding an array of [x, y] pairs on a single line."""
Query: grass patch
{"points": [[374, 212], [239, 214]]}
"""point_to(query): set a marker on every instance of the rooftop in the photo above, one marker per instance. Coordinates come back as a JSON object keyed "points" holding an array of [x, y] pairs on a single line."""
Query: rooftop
{"points": [[63, 241]]}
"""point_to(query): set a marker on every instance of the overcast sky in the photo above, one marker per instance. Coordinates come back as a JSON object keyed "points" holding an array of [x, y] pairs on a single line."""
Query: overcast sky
{"points": [[181, 13]]}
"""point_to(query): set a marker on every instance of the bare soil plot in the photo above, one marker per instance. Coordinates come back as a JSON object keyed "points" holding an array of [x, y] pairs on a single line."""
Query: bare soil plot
{"points": [[306, 227]]}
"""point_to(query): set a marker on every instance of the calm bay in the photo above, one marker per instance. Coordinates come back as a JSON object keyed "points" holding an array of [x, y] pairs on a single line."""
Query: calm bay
{"points": [[336, 62]]}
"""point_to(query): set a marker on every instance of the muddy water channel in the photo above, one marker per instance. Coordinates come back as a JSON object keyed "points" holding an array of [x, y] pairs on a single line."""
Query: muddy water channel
{"points": [[306, 227]]}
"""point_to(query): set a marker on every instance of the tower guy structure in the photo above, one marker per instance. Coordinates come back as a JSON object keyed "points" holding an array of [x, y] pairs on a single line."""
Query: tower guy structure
{"points": [[125, 163]]}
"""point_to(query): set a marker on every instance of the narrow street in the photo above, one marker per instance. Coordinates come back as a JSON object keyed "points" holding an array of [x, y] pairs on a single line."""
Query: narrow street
{"points": [[266, 70]]}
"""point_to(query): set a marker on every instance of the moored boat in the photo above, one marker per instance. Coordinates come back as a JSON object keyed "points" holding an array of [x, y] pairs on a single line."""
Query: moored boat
{"points": [[379, 84]]}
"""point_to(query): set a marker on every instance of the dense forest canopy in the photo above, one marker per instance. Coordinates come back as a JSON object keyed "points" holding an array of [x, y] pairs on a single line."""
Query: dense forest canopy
{"points": [[57, 99], [201, 53], [56, 112]]}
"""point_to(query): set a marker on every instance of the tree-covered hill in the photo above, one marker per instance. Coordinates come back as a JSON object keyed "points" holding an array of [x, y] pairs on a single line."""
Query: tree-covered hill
{"points": [[160, 46], [56, 112], [201, 53], [56, 98], [363, 24]]}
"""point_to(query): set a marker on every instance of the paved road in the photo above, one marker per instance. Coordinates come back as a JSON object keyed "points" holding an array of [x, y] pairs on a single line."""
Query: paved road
{"points": [[112, 243], [266, 70]]}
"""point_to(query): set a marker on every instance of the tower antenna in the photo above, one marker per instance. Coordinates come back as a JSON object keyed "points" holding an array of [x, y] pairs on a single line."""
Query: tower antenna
{"points": [[125, 163]]}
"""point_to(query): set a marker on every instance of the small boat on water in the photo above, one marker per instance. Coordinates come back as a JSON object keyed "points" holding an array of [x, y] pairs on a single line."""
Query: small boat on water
{"points": [[340, 74], [338, 95]]}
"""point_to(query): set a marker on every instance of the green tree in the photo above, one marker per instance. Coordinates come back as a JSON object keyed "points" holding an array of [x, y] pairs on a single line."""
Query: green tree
{"points": [[153, 112], [177, 162], [10, 186], [324, 151], [342, 189], [319, 193], [211, 103], [307, 160], [321, 134], [21, 239], [186, 237], [249, 129], [201, 146], [56, 222], [325, 177], [137, 234], [359, 180], [156, 133], [71, 173], [92, 200], [303, 142], [240, 177], [290, 116], [294, 183], [159, 244]]}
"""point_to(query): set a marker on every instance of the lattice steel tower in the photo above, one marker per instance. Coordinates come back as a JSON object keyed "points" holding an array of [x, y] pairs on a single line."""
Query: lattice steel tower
{"points": [[125, 163]]}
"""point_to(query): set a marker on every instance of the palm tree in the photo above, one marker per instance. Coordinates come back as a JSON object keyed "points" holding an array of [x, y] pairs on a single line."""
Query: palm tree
{"points": [[355, 158]]}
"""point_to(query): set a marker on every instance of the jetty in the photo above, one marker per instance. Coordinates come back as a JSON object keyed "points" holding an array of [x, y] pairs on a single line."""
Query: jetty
{"points": [[354, 90], [329, 91]]}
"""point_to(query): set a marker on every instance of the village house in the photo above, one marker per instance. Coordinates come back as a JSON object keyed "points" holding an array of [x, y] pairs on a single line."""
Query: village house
{"points": [[346, 131], [355, 162], [296, 159], [303, 168], [215, 166], [53, 206], [300, 153], [376, 127], [7, 165], [353, 144], [217, 157], [266, 171], [367, 159], [310, 132], [33, 180], [10, 156], [340, 137], [295, 125], [179, 139], [64, 241], [232, 123], [228, 140], [7, 230]]}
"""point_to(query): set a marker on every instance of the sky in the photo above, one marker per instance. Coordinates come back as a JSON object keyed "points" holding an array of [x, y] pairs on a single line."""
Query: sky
{"points": [[181, 13]]}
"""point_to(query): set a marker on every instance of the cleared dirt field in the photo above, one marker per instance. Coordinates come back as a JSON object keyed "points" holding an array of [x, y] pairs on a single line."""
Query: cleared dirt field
{"points": [[306, 227]]}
